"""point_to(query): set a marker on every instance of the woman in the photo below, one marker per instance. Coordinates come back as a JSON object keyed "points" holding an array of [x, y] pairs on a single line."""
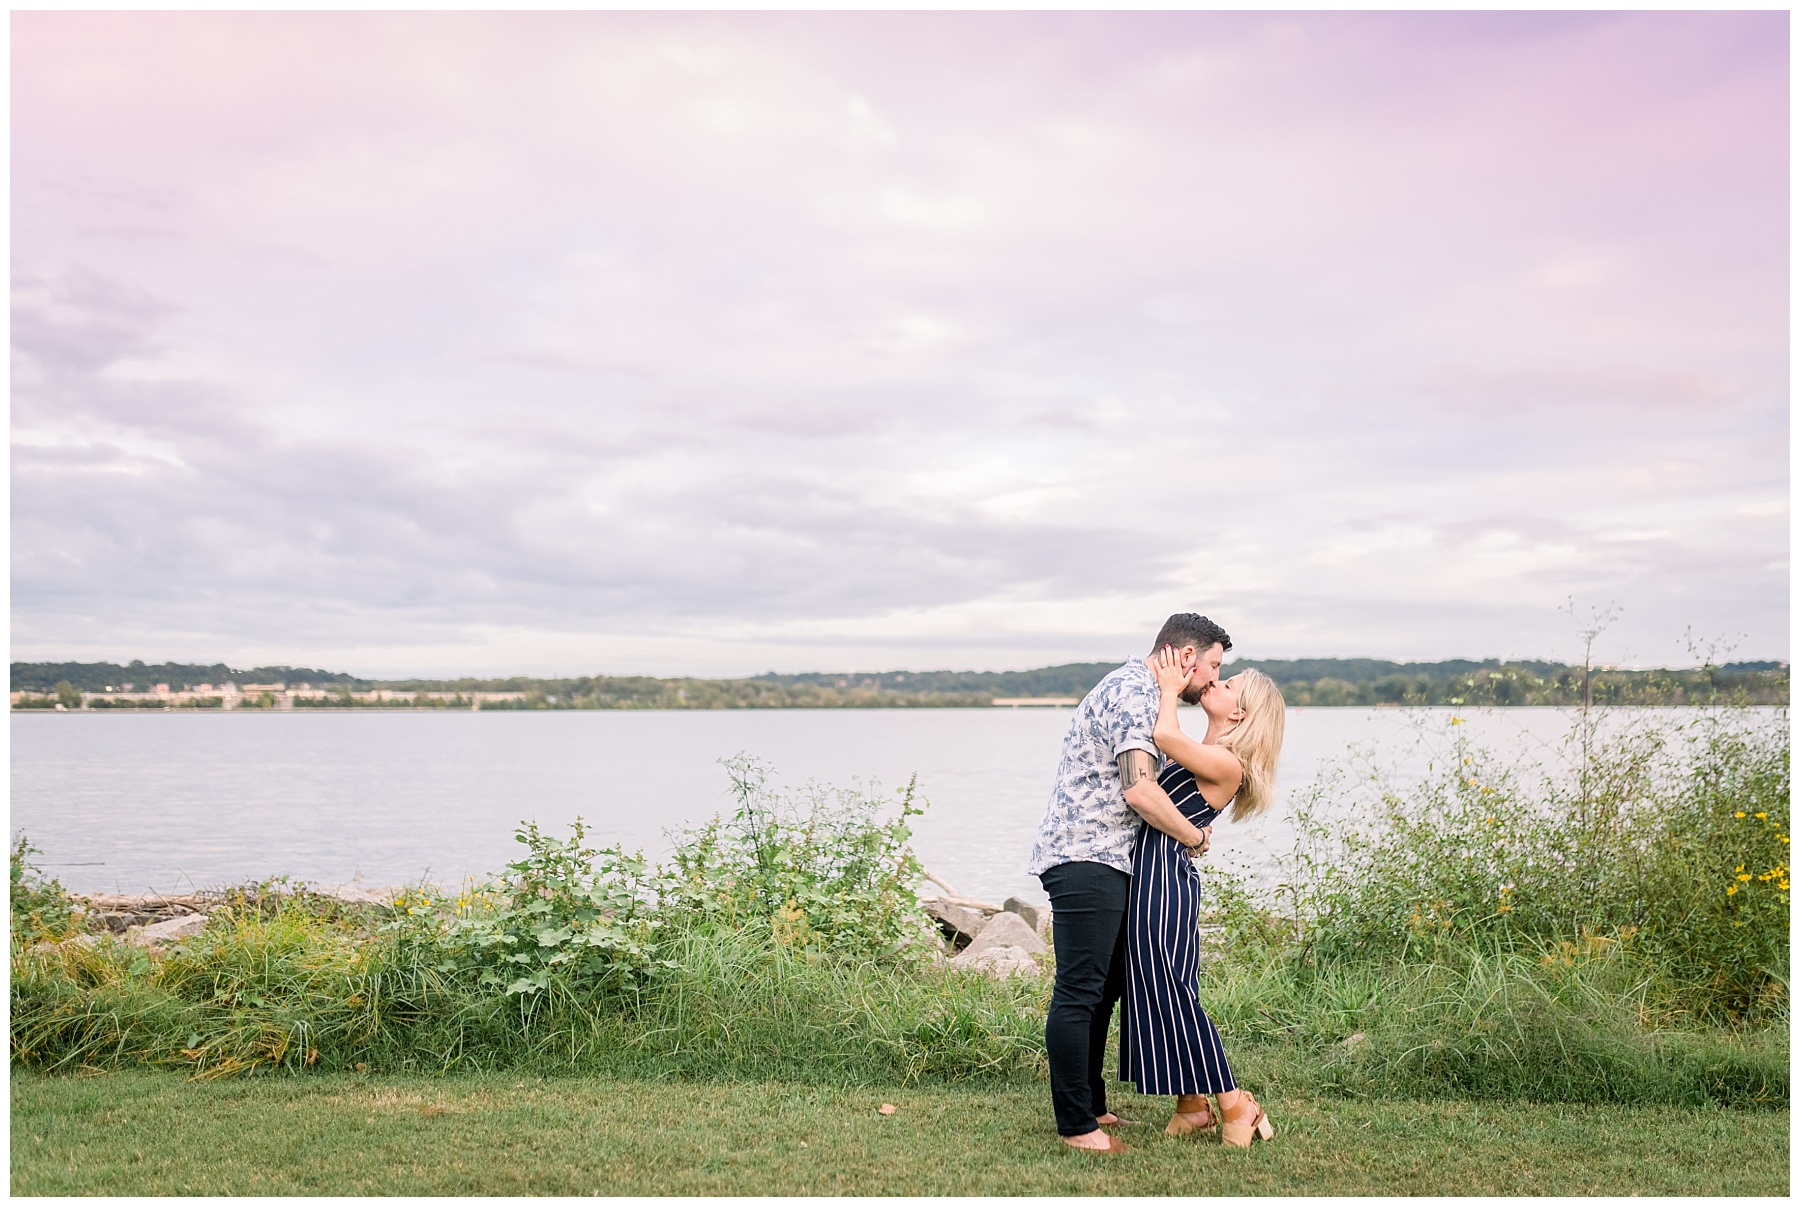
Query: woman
{"points": [[1168, 1045]]}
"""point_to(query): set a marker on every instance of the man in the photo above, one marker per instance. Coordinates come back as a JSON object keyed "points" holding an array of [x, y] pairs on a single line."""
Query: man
{"points": [[1105, 784]]}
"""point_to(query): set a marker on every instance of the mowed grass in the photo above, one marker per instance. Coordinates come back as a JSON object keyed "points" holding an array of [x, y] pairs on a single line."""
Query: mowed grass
{"points": [[142, 1132]]}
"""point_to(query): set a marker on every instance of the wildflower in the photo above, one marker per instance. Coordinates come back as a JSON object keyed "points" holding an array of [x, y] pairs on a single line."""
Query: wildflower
{"points": [[1763, 816], [1744, 876], [1732, 891], [1456, 720], [1741, 813]]}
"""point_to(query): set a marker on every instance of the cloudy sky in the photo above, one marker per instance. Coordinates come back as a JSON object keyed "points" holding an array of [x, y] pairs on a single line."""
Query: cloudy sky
{"points": [[718, 344]]}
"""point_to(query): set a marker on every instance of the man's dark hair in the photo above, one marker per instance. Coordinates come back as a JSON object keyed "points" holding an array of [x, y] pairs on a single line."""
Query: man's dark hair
{"points": [[1191, 628]]}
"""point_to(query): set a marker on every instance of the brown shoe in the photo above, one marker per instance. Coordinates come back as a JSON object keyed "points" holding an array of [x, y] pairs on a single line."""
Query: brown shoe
{"points": [[1113, 1145], [1252, 1121], [1183, 1123]]}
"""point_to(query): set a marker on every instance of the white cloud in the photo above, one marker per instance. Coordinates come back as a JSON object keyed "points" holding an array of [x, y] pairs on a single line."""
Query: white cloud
{"points": [[682, 343]]}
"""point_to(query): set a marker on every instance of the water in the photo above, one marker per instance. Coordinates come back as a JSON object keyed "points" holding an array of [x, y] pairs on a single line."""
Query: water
{"points": [[172, 801]]}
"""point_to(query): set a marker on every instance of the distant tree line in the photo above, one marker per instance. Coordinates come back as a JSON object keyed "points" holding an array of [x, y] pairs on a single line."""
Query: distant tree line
{"points": [[1325, 682], [141, 676], [1314, 682]]}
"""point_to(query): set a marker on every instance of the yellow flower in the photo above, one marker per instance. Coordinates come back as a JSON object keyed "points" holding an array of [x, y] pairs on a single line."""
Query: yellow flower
{"points": [[1741, 813], [1744, 876], [1732, 891], [1763, 815], [1456, 720]]}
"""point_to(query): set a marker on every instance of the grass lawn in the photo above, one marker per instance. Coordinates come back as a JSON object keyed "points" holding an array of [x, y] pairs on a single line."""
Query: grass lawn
{"points": [[155, 1133]]}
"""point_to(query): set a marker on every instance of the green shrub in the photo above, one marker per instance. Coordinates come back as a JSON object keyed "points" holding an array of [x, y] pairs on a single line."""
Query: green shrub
{"points": [[1667, 838], [41, 910], [784, 942], [819, 867], [291, 989], [566, 913]]}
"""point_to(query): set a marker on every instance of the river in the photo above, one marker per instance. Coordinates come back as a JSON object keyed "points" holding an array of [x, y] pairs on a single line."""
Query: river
{"points": [[172, 801]]}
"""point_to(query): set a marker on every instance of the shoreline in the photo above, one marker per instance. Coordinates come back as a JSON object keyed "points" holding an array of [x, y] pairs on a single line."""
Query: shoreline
{"points": [[993, 706]]}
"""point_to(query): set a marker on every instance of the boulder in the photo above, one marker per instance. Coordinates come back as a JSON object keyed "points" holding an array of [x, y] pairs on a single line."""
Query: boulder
{"points": [[1005, 930], [71, 941], [152, 903], [1033, 917], [958, 922], [171, 931], [1002, 960], [120, 921], [378, 894]]}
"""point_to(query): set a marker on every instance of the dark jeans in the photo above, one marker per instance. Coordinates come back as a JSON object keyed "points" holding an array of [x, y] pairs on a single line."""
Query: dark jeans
{"points": [[1087, 910]]}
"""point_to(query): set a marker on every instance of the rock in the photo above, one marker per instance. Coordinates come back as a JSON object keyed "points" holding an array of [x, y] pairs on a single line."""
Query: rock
{"points": [[153, 903], [171, 931], [1028, 912], [1005, 930], [71, 941], [960, 923], [120, 921], [379, 894], [997, 961]]}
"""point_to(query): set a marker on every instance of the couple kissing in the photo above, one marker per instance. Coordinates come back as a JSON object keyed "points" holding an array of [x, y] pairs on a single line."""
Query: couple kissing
{"points": [[1133, 806]]}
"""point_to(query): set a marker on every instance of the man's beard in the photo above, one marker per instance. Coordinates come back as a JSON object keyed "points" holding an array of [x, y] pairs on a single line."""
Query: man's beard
{"points": [[1191, 694]]}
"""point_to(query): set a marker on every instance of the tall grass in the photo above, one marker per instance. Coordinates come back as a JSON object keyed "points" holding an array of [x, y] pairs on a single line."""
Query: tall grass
{"points": [[1611, 928], [1667, 839], [1580, 933], [296, 990], [784, 941], [1490, 1024]]}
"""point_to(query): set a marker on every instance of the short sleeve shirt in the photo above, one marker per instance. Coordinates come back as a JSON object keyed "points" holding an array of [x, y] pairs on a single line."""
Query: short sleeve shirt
{"points": [[1087, 818]]}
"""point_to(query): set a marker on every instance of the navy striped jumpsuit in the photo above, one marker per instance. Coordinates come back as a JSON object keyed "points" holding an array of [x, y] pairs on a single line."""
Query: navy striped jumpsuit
{"points": [[1166, 1043]]}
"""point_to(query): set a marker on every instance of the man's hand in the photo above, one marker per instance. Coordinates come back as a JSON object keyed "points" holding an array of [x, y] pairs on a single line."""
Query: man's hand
{"points": [[1200, 848]]}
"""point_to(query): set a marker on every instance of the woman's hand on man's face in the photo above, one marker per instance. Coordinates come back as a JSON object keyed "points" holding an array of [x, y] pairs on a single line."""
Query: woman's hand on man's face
{"points": [[1171, 676]]}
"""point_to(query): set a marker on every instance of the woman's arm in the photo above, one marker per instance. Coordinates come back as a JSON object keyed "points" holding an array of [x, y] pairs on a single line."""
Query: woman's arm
{"points": [[1213, 766]]}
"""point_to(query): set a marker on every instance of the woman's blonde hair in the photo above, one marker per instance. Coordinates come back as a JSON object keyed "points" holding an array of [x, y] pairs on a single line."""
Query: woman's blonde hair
{"points": [[1256, 741]]}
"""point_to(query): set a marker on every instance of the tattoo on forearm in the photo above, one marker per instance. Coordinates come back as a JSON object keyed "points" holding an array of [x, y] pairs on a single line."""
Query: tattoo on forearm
{"points": [[1135, 765]]}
